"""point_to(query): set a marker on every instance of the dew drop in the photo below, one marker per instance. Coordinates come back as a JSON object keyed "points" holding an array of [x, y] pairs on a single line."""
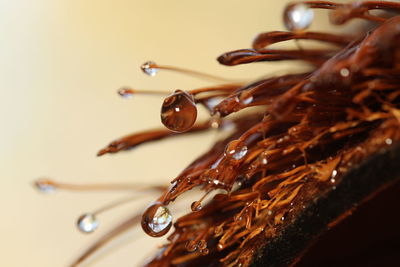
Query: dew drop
{"points": [[245, 98], [45, 186], [191, 246], [389, 141], [156, 220], [202, 244], [196, 206], [298, 17], [126, 92], [204, 251], [87, 223], [178, 111], [236, 149], [344, 72], [149, 68]]}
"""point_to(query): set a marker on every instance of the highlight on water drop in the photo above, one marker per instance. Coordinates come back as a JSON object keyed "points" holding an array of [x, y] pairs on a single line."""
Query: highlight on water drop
{"points": [[87, 223]]}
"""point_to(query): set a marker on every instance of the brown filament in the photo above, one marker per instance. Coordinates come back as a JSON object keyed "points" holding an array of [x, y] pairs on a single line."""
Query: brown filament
{"points": [[309, 131]]}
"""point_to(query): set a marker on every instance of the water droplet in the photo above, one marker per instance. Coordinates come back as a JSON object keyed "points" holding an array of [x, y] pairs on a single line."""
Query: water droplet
{"points": [[204, 251], [202, 244], [245, 98], [236, 149], [389, 141], [334, 173], [45, 186], [149, 68], [179, 112], [220, 246], [218, 231], [196, 206], [191, 246], [298, 17], [125, 92], [156, 220], [87, 223], [344, 72]]}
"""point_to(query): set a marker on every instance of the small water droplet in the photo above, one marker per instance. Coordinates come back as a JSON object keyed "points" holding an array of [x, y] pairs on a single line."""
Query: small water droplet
{"points": [[236, 149], [45, 186], [334, 173], [246, 98], [178, 111], [333, 180], [270, 212], [196, 206], [220, 246], [191, 246], [389, 141], [344, 72], [87, 223], [149, 68], [202, 244], [126, 92], [215, 121], [156, 220], [204, 251], [298, 17], [218, 231]]}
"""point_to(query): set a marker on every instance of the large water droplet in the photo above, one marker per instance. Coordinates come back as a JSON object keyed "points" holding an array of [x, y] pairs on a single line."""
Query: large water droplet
{"points": [[156, 220], [149, 68], [87, 223], [236, 149], [179, 112], [125, 92], [298, 17]]}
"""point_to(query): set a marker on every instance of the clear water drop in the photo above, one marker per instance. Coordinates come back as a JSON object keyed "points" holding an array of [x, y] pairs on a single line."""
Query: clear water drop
{"points": [[298, 17], [236, 149], [149, 68], [126, 92], [156, 220], [196, 206], [178, 111], [45, 186], [87, 223]]}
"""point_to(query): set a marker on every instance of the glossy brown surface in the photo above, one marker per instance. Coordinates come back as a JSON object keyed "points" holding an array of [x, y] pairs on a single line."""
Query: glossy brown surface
{"points": [[178, 111], [309, 131]]}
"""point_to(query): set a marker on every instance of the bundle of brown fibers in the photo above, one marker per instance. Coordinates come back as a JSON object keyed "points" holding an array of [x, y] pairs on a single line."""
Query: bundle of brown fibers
{"points": [[319, 144]]}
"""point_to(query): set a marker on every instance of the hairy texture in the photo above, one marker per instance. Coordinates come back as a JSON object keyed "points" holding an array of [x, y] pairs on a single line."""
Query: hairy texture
{"points": [[310, 129]]}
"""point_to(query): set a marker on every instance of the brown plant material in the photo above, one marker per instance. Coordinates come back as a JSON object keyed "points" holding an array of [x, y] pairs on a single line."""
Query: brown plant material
{"points": [[310, 130]]}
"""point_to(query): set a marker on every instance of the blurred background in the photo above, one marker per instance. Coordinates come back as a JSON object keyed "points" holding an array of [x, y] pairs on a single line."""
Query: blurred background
{"points": [[62, 64]]}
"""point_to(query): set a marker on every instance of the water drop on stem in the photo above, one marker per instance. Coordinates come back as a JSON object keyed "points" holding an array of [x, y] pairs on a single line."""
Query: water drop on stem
{"points": [[178, 111], [298, 17], [236, 150], [149, 68], [156, 220]]}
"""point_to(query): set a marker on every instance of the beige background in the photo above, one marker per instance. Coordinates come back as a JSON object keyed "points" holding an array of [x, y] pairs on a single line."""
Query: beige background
{"points": [[61, 64]]}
